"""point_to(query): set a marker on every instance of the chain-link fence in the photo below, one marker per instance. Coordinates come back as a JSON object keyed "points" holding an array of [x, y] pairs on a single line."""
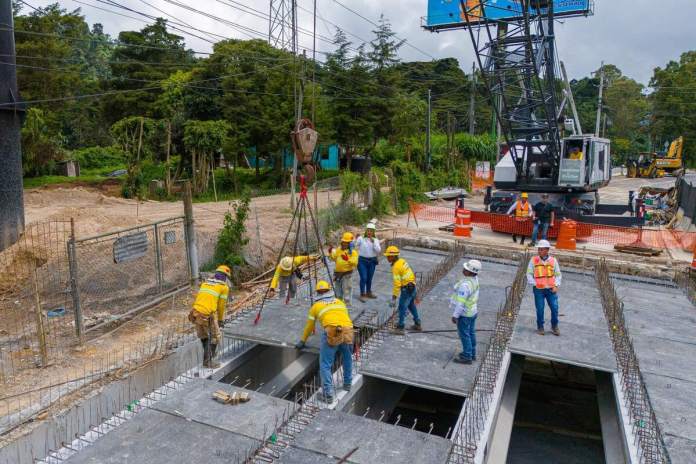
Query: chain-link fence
{"points": [[35, 301], [118, 273]]}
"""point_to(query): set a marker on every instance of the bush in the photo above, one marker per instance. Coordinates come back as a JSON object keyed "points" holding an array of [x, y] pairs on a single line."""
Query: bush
{"points": [[99, 157], [232, 237]]}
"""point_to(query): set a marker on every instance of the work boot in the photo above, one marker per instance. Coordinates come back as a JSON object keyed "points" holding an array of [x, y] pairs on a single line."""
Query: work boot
{"points": [[459, 360], [522, 240], [206, 353], [531, 244], [212, 363], [398, 330], [346, 386], [328, 399], [363, 298], [540, 331], [514, 238], [555, 331], [416, 327], [473, 358], [371, 295]]}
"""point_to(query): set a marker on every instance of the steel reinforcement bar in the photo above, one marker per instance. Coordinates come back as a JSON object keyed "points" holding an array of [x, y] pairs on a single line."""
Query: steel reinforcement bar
{"points": [[478, 402], [646, 431]]}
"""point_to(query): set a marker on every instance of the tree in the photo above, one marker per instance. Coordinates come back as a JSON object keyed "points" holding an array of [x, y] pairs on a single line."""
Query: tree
{"points": [[203, 139], [40, 146]]}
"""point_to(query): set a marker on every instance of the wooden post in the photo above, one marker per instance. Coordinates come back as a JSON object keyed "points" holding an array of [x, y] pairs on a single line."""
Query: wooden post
{"points": [[190, 231], [40, 330], [167, 178], [74, 284], [212, 173]]}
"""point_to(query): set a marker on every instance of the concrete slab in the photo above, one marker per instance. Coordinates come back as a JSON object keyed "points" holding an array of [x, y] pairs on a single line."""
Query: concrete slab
{"points": [[666, 357], [336, 433], [681, 450], [256, 419], [282, 325], [578, 345], [296, 455], [674, 404], [154, 437]]}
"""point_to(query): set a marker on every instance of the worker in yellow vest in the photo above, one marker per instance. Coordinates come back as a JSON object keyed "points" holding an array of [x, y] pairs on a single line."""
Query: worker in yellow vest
{"points": [[523, 212], [286, 274], [544, 274], [208, 313], [337, 336], [346, 259], [404, 289]]}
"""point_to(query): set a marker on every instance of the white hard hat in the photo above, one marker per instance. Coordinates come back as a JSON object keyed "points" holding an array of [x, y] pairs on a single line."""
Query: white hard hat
{"points": [[286, 263], [543, 244], [473, 265], [371, 226]]}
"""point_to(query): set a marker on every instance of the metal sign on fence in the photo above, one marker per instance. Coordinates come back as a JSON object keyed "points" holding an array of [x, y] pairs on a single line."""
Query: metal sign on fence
{"points": [[169, 237], [130, 247]]}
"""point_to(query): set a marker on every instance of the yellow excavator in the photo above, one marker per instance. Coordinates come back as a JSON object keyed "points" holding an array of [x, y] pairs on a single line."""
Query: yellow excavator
{"points": [[652, 165]]}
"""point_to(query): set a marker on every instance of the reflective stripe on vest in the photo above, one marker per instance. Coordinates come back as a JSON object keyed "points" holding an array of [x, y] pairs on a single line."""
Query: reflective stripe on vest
{"points": [[470, 301], [407, 275], [544, 272], [520, 210], [209, 292], [334, 306]]}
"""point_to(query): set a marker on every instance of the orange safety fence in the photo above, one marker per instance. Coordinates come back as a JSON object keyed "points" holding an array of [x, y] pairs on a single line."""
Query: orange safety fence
{"points": [[598, 234]]}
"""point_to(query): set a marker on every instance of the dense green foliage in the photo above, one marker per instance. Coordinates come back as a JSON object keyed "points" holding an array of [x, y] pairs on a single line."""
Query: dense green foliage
{"points": [[148, 104], [232, 237]]}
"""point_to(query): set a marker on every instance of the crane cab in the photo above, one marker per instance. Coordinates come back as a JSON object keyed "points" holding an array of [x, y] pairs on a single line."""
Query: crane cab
{"points": [[585, 163]]}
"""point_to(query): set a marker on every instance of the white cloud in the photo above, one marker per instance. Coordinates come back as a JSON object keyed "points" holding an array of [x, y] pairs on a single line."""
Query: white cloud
{"points": [[635, 35]]}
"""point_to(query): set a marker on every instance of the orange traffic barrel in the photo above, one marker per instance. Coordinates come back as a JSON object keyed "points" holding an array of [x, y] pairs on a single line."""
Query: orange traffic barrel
{"points": [[462, 222], [567, 234], [693, 260]]}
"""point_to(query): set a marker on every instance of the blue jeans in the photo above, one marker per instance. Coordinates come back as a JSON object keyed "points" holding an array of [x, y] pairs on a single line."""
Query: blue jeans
{"points": [[327, 355], [407, 301], [466, 327], [542, 295], [366, 269], [544, 231]]}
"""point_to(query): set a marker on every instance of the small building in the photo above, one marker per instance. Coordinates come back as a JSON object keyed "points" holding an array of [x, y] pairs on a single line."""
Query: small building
{"points": [[68, 168]]}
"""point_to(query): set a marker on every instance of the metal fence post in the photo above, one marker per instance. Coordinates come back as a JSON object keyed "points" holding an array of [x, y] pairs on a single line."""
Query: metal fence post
{"points": [[74, 287], [190, 232], [40, 329], [158, 260]]}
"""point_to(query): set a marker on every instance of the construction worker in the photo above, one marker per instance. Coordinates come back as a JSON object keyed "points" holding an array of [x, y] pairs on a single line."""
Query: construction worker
{"points": [[544, 216], [286, 275], [208, 313], [576, 154], [523, 212], [404, 289], [346, 259], [369, 249], [337, 336], [544, 273], [464, 303]]}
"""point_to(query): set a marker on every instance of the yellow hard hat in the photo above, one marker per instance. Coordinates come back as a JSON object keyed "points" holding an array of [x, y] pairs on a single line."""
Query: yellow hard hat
{"points": [[392, 251], [322, 286], [524, 195], [225, 270], [286, 263], [347, 237]]}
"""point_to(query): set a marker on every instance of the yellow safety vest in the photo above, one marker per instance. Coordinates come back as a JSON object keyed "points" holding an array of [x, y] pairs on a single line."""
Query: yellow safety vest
{"points": [[402, 275], [331, 312], [211, 298]]}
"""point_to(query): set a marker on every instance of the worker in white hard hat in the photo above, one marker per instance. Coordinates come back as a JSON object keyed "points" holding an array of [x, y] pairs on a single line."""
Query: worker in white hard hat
{"points": [[464, 303], [286, 274], [544, 274], [369, 249]]}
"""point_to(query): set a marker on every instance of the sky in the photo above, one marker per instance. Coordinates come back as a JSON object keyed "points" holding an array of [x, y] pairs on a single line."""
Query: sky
{"points": [[635, 35]]}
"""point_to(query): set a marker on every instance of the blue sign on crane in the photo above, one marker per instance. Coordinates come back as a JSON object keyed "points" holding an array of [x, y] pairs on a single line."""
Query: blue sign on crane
{"points": [[448, 14]]}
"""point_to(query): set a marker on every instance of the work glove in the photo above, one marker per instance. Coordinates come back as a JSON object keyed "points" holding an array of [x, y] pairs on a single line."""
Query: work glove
{"points": [[221, 324], [345, 257], [454, 320], [300, 345]]}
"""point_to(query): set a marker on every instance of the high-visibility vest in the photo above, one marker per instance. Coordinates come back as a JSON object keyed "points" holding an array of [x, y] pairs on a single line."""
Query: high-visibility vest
{"points": [[471, 301], [544, 272], [402, 275], [522, 210], [212, 298]]}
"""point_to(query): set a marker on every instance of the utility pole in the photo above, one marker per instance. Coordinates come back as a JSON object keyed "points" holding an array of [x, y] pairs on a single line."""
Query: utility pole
{"points": [[427, 133], [472, 100], [599, 103], [297, 93], [11, 111]]}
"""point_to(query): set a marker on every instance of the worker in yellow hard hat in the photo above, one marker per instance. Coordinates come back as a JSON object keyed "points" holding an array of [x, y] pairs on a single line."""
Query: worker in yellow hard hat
{"points": [[286, 274], [337, 336], [208, 312], [523, 212], [346, 259], [404, 289]]}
